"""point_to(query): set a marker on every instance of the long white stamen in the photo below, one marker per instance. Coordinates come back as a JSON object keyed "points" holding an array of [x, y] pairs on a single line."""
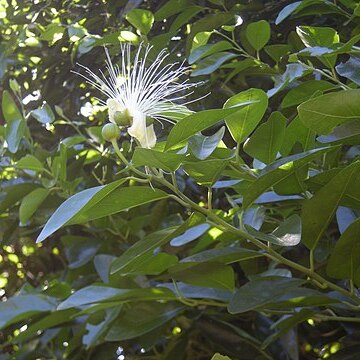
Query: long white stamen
{"points": [[143, 91]]}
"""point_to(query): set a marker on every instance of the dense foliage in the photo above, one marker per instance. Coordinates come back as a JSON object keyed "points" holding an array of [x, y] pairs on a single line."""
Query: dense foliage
{"points": [[237, 234]]}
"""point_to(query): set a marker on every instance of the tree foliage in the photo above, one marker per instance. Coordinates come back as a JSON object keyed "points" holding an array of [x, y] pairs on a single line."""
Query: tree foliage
{"points": [[237, 234]]}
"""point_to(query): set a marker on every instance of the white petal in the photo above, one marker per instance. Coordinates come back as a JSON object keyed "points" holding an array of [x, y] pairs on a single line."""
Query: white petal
{"points": [[143, 134], [113, 106]]}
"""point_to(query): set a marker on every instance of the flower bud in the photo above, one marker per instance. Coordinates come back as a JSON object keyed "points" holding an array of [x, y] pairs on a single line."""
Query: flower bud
{"points": [[122, 118], [110, 132]]}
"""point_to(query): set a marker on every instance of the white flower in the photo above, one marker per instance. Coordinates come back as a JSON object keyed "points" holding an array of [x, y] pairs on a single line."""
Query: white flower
{"points": [[138, 93]]}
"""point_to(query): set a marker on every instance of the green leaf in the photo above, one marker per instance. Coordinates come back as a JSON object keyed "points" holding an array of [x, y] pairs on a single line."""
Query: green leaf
{"points": [[317, 36], [323, 113], [213, 275], [344, 261], [350, 69], [258, 33], [244, 121], [278, 171], [22, 307], [287, 11], [95, 331], [206, 172], [12, 194], [53, 32], [140, 250], [30, 162], [150, 264], [208, 49], [148, 157], [285, 323], [212, 63], [260, 292], [203, 146], [198, 292], [43, 115], [226, 255], [94, 294], [49, 321], [200, 121], [190, 234], [318, 211], [304, 92], [264, 144], [98, 202], [292, 72], [15, 124], [9, 108], [141, 19], [31, 202], [288, 233], [148, 317], [207, 23], [79, 250], [346, 134], [297, 133]]}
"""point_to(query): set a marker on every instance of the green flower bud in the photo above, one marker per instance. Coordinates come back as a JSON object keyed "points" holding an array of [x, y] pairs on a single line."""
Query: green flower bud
{"points": [[110, 132], [122, 118]]}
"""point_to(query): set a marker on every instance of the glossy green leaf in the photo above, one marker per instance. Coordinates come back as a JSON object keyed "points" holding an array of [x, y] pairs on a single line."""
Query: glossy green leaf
{"points": [[140, 250], [148, 317], [12, 194], [226, 255], [148, 157], [304, 92], [30, 162], [203, 146], [323, 113], [288, 233], [94, 294], [297, 133], [213, 275], [265, 143], [190, 234], [44, 114], [208, 49], [258, 34], [260, 292], [150, 264], [211, 63], [141, 19], [31, 202], [95, 331], [350, 69], [9, 108], [206, 172], [317, 36], [52, 320], [98, 202], [200, 121], [244, 121], [344, 261], [318, 211], [285, 323], [278, 171], [287, 11], [22, 306]]}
